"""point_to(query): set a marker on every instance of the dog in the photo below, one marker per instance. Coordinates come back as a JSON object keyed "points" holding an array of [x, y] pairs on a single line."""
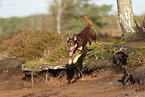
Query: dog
{"points": [[79, 41]]}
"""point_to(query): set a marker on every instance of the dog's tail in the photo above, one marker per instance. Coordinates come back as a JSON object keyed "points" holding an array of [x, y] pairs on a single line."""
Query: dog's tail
{"points": [[89, 23]]}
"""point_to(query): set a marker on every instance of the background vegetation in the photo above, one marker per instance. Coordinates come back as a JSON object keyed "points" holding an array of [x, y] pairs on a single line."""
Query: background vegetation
{"points": [[36, 38]]}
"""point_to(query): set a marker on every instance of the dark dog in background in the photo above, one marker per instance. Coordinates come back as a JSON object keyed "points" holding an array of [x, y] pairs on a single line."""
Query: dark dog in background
{"points": [[78, 43], [135, 76]]}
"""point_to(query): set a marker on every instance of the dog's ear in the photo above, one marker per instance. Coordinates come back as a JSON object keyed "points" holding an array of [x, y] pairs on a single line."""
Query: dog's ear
{"points": [[68, 37], [75, 37]]}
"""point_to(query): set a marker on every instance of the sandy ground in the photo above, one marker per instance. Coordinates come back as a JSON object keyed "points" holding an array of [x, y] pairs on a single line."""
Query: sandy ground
{"points": [[105, 84]]}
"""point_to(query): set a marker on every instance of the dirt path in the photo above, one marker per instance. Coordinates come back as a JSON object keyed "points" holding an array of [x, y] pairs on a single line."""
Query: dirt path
{"points": [[102, 86], [105, 84]]}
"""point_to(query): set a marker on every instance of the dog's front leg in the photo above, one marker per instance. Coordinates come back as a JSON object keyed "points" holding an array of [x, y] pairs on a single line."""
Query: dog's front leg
{"points": [[82, 49], [70, 61], [76, 58]]}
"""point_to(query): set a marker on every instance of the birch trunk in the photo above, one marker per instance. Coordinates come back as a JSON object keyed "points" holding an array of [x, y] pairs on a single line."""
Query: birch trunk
{"points": [[58, 17], [61, 4], [131, 31]]}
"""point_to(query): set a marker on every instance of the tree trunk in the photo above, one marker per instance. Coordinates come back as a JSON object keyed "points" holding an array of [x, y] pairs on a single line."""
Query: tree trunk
{"points": [[131, 31], [143, 25], [58, 17], [61, 4]]}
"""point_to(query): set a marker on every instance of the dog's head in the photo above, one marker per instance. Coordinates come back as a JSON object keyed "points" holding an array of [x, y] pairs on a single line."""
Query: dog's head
{"points": [[72, 44]]}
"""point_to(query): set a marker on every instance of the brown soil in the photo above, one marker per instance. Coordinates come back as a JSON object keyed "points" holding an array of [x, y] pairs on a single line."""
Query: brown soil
{"points": [[105, 84]]}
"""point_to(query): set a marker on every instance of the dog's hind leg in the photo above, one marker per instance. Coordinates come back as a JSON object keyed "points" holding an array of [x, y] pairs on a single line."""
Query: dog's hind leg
{"points": [[79, 73], [94, 36]]}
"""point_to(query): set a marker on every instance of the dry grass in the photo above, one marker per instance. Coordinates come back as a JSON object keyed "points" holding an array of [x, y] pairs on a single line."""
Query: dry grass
{"points": [[32, 45], [136, 58]]}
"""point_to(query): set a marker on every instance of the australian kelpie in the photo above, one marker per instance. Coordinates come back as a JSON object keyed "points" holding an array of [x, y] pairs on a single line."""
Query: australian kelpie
{"points": [[79, 41]]}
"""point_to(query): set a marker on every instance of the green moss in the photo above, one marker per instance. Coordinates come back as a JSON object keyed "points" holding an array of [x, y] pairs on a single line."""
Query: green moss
{"points": [[136, 58]]}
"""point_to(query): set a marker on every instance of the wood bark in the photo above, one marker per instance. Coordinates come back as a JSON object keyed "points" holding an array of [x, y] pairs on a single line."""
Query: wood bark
{"points": [[60, 4], [131, 31]]}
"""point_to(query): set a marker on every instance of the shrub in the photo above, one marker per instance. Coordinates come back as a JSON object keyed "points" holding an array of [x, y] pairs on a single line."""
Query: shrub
{"points": [[30, 45], [136, 58]]}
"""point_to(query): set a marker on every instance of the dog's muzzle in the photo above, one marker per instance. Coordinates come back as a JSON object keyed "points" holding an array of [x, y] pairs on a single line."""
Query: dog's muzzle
{"points": [[72, 49]]}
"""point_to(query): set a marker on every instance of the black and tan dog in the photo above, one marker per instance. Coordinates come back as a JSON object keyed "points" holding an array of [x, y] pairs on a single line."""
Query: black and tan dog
{"points": [[79, 41]]}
